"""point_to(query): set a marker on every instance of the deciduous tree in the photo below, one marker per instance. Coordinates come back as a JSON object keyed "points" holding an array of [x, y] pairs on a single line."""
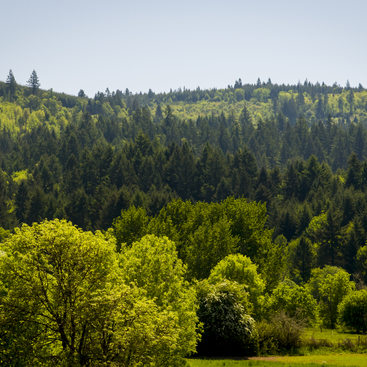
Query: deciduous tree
{"points": [[63, 302]]}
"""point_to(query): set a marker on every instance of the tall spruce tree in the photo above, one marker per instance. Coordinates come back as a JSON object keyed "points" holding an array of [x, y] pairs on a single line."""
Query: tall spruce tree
{"points": [[33, 82], [11, 84]]}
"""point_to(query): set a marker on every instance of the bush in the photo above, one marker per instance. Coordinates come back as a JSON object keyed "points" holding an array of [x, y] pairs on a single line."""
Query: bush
{"points": [[329, 286], [241, 269], [295, 301], [313, 343], [281, 333], [228, 330], [353, 311]]}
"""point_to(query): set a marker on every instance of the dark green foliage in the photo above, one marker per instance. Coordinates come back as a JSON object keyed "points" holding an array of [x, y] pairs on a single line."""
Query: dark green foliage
{"points": [[271, 172], [354, 173], [303, 259], [81, 93], [22, 202], [228, 330], [130, 226], [33, 82], [6, 218], [353, 311], [11, 85], [330, 240], [206, 233], [281, 333], [86, 159]]}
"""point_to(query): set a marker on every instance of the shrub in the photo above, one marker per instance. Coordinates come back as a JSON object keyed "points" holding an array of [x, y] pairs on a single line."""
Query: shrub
{"points": [[329, 286], [347, 344], [281, 333], [241, 269], [313, 343], [227, 327], [295, 301], [353, 311]]}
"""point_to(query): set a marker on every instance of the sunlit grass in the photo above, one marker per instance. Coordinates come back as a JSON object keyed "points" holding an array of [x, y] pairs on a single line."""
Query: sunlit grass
{"points": [[326, 356], [333, 336], [332, 360], [347, 359], [251, 363]]}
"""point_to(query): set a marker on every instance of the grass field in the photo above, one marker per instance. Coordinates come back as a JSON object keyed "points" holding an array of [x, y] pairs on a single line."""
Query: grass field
{"points": [[332, 360], [318, 356], [253, 363], [316, 341], [236, 363], [333, 336], [347, 359]]}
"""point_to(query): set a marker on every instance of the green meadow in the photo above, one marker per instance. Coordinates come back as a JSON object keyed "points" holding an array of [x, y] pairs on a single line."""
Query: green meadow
{"points": [[332, 360], [333, 336], [323, 347]]}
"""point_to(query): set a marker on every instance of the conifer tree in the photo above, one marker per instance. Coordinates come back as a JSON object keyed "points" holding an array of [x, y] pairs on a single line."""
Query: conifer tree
{"points": [[11, 84], [33, 82]]}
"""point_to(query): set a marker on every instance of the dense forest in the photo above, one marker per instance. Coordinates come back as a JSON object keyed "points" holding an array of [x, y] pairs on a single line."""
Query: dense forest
{"points": [[266, 177]]}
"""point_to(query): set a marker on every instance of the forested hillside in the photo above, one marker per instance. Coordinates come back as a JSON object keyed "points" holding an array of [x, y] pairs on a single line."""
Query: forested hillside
{"points": [[300, 149], [253, 192]]}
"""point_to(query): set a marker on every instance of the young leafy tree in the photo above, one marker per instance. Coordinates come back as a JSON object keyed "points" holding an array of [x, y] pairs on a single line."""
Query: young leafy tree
{"points": [[130, 226], [130, 330], [63, 302], [52, 273], [329, 286], [295, 301], [247, 223], [152, 264], [239, 268], [3, 234], [207, 245]]}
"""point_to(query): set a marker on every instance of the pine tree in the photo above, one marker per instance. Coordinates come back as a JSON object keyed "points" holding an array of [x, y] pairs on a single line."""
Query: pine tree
{"points": [[354, 173], [81, 93], [11, 84], [33, 82], [303, 258]]}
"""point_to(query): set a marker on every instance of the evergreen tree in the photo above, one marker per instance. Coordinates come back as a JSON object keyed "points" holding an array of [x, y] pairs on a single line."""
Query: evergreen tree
{"points": [[331, 238], [11, 84], [304, 258], [354, 174], [33, 82], [81, 93]]}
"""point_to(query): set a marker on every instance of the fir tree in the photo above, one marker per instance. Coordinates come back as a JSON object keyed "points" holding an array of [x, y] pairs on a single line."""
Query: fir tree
{"points": [[11, 84], [33, 82]]}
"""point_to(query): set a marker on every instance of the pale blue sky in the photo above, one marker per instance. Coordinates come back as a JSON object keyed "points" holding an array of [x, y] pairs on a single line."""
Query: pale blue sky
{"points": [[161, 44]]}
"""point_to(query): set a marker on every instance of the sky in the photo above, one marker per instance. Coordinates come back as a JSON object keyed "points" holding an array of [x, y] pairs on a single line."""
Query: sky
{"points": [[161, 44]]}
